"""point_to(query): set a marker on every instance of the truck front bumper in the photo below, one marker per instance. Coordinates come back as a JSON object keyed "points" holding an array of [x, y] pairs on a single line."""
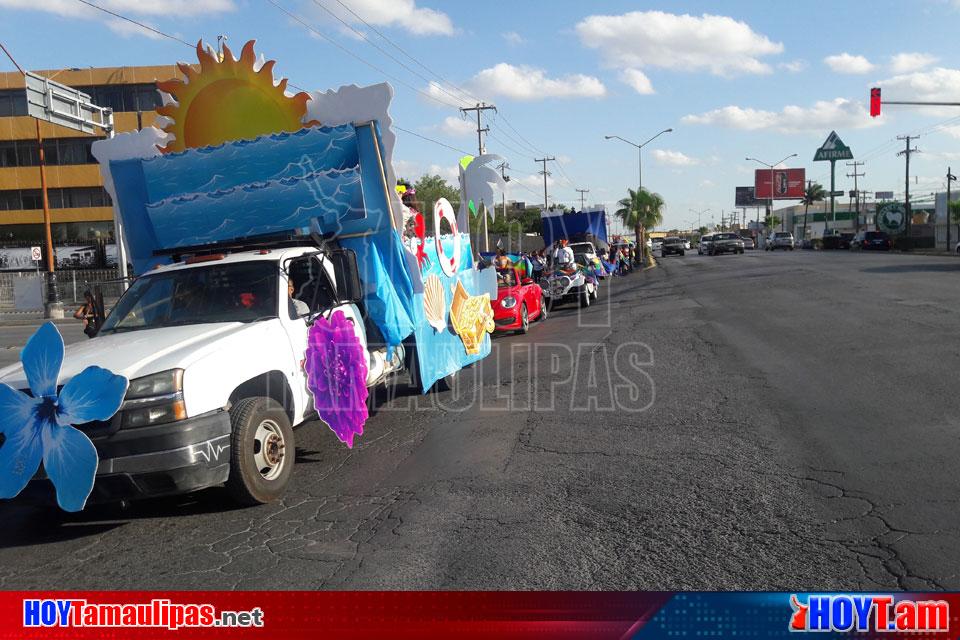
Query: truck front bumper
{"points": [[143, 462]]}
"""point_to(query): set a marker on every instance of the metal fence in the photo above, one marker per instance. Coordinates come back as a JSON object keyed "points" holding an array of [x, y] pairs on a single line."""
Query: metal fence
{"points": [[27, 290]]}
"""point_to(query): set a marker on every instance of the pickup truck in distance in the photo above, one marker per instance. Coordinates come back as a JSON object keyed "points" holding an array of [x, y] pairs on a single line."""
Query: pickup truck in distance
{"points": [[214, 347]]}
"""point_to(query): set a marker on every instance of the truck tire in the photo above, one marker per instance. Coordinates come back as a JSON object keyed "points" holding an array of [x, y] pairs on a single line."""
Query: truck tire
{"points": [[262, 451]]}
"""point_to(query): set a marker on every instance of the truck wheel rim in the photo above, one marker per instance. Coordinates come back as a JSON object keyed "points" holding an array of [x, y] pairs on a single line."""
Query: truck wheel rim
{"points": [[268, 449]]}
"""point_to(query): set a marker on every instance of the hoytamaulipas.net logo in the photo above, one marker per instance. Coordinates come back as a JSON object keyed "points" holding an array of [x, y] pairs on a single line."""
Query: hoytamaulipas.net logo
{"points": [[873, 613], [159, 612]]}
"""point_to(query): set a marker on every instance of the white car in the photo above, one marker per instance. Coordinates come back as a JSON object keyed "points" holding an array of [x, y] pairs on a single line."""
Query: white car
{"points": [[657, 244], [214, 347]]}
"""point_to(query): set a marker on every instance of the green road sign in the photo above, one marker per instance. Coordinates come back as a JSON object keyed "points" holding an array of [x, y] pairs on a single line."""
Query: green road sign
{"points": [[833, 149]]}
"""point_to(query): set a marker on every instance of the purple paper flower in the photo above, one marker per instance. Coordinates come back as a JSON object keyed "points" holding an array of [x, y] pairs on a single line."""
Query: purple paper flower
{"points": [[336, 367]]}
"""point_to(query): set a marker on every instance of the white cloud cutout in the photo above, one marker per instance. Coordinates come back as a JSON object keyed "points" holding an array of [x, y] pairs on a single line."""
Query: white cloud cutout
{"points": [[822, 116], [528, 83], [794, 66], [167, 8], [718, 44], [638, 80], [848, 63], [909, 62], [456, 127], [673, 158], [512, 37], [403, 14]]}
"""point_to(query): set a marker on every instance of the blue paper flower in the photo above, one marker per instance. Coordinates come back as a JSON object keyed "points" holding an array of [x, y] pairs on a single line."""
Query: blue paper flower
{"points": [[38, 427]]}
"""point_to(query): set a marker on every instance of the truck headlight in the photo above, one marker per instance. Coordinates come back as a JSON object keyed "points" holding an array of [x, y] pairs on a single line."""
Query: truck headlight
{"points": [[509, 302], [154, 399]]}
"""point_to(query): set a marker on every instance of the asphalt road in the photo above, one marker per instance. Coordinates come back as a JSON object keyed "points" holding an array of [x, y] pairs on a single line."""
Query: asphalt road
{"points": [[765, 421]]}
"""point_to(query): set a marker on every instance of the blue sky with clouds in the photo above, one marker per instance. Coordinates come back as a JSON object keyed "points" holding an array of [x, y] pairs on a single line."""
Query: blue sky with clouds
{"points": [[733, 79]]}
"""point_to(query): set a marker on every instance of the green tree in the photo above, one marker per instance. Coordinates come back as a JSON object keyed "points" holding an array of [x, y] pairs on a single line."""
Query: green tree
{"points": [[812, 194], [641, 210], [771, 221], [431, 188]]}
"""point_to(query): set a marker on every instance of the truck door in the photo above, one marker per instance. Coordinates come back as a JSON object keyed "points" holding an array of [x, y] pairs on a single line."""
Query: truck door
{"points": [[312, 294]]}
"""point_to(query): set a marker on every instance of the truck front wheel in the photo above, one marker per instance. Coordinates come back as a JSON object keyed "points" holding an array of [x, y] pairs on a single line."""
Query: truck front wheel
{"points": [[262, 451]]}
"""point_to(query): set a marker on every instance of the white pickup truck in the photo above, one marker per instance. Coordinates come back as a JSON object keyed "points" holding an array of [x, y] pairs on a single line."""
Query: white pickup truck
{"points": [[214, 348]]}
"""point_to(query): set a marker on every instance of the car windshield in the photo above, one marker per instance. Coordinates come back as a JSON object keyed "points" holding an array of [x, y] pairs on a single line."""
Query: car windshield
{"points": [[672, 241], [239, 292], [781, 234], [725, 236], [874, 235]]}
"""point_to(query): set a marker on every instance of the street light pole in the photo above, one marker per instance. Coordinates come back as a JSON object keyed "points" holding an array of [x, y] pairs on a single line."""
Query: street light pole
{"points": [[639, 162]]}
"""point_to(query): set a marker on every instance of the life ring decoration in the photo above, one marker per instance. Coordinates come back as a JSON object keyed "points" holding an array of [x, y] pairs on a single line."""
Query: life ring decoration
{"points": [[442, 209]]}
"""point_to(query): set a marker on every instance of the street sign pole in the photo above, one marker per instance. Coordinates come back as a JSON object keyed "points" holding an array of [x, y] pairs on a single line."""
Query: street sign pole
{"points": [[833, 213], [832, 149]]}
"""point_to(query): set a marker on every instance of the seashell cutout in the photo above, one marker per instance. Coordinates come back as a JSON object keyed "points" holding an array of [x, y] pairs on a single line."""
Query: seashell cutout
{"points": [[435, 303]]}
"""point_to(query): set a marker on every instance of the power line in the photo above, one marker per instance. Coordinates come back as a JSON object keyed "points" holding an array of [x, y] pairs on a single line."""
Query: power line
{"points": [[437, 142], [404, 52], [132, 21], [315, 31]]}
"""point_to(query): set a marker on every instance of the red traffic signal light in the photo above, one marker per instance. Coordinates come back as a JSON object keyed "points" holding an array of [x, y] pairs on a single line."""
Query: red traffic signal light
{"points": [[875, 102]]}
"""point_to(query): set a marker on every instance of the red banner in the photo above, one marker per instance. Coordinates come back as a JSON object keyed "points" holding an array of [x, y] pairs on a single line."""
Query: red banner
{"points": [[788, 184]]}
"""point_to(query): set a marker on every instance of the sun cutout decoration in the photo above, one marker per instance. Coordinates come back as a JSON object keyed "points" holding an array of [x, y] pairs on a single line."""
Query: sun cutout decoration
{"points": [[227, 100]]}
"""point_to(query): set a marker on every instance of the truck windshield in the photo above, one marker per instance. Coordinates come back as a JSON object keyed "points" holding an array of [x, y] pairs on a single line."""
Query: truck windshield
{"points": [[239, 292]]}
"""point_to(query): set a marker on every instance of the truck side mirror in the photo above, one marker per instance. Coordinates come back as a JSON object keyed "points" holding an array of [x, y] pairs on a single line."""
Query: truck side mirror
{"points": [[349, 288]]}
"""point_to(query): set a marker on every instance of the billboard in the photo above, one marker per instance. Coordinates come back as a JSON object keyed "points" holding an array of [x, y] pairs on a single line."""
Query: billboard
{"points": [[788, 184], [746, 198]]}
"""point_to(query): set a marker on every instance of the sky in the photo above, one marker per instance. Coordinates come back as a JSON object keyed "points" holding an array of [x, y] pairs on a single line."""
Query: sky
{"points": [[732, 79]]}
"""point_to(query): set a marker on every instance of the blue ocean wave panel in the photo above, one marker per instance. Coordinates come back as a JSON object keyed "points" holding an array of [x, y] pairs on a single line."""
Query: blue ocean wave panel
{"points": [[270, 157]]}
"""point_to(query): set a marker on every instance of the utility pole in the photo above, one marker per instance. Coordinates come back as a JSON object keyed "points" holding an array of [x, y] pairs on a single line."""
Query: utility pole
{"points": [[544, 173], [950, 178], [582, 192], [856, 190], [480, 108], [906, 194], [486, 241]]}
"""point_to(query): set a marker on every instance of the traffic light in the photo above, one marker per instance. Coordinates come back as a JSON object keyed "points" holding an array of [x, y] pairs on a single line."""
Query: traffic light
{"points": [[875, 102]]}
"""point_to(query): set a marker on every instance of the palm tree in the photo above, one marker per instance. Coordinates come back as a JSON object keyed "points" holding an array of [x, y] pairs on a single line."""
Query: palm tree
{"points": [[641, 210], [814, 193]]}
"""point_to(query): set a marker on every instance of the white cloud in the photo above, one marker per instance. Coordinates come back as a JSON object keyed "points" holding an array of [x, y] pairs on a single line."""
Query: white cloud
{"points": [[529, 83], [512, 37], [673, 158], [404, 14], [909, 62], [456, 127], [934, 85], [533, 181], [794, 66], [166, 8], [822, 116], [719, 44], [707, 184], [638, 80], [953, 132], [847, 63], [407, 169], [450, 173]]}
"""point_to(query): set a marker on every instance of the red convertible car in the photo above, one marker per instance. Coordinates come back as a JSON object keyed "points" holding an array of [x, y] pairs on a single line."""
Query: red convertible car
{"points": [[519, 300]]}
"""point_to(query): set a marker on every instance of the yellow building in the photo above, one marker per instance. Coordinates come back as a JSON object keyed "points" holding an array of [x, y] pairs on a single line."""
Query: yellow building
{"points": [[80, 207]]}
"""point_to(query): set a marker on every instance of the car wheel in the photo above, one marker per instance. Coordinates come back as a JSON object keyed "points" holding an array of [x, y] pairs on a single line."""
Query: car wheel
{"points": [[544, 309], [584, 298], [596, 293], [262, 451], [524, 319], [681, 253]]}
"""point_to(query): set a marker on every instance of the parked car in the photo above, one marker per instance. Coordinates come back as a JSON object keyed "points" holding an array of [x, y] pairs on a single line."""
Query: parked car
{"points": [[871, 240], [672, 246], [725, 243], [835, 239], [519, 300], [704, 245], [657, 244], [748, 242], [780, 240]]}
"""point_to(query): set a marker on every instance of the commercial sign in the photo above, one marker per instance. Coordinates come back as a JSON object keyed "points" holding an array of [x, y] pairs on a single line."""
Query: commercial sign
{"points": [[746, 198], [788, 184], [833, 149], [891, 217], [883, 195]]}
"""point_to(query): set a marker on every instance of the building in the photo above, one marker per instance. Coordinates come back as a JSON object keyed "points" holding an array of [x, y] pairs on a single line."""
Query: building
{"points": [[80, 208]]}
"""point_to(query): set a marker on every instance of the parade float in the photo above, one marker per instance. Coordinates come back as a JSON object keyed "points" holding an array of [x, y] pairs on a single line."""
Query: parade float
{"points": [[274, 286]]}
